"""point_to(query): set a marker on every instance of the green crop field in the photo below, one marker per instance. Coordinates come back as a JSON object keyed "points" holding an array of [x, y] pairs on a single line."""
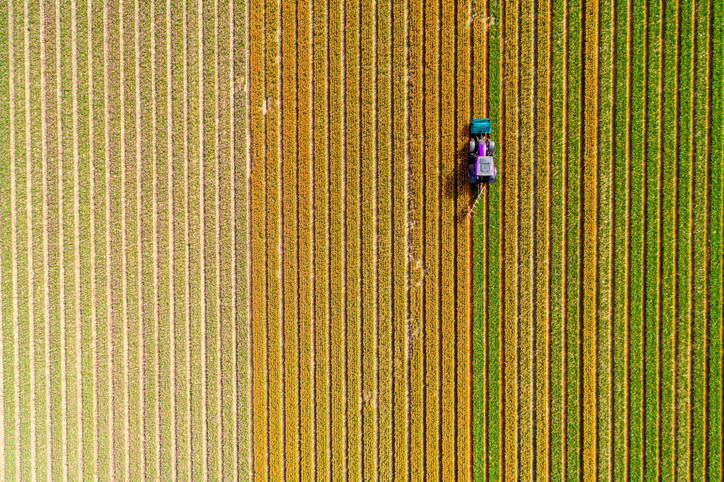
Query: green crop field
{"points": [[597, 259]]}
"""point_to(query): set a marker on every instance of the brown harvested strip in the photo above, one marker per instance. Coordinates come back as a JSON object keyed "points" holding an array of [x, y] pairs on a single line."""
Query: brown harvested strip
{"points": [[258, 247], [431, 239], [525, 234], [353, 445], [463, 301], [337, 179], [304, 187], [319, 137], [590, 240], [289, 241], [415, 231], [370, 434], [509, 188], [383, 281], [228, 417], [273, 230], [542, 246], [400, 285]]}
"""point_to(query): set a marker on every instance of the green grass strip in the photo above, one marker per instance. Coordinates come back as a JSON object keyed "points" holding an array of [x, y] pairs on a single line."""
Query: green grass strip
{"points": [[636, 214], [700, 223], [493, 246], [714, 334], [557, 196], [572, 240], [668, 244], [479, 248], [683, 283], [651, 283], [620, 290], [605, 240]]}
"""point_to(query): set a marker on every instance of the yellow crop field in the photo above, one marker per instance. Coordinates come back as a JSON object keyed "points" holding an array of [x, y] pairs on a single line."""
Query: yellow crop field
{"points": [[236, 239]]}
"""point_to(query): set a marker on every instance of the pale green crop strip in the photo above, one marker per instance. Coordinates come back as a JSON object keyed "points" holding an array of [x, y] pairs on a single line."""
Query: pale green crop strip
{"points": [[621, 243], [606, 149], [572, 186], [652, 150], [714, 334], [667, 415], [700, 230], [684, 241], [480, 45], [557, 240]]}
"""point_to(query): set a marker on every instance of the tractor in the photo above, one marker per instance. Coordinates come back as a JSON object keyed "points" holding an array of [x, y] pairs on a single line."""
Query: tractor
{"points": [[481, 166]]}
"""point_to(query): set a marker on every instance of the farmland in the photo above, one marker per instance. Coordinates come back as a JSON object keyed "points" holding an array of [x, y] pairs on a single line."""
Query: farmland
{"points": [[236, 241], [217, 258], [597, 262]]}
